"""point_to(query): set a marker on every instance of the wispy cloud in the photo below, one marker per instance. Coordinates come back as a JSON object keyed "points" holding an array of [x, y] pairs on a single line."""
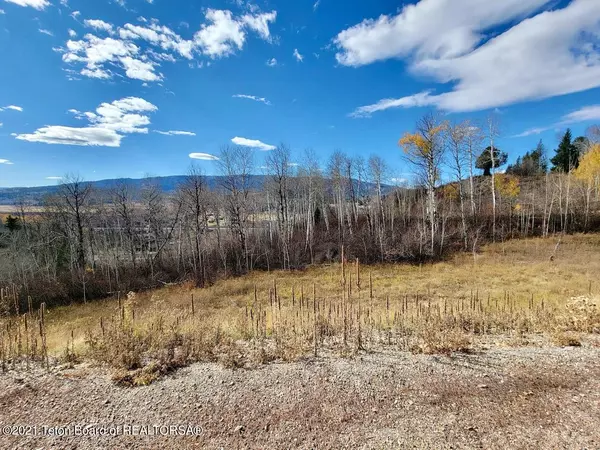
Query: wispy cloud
{"points": [[12, 107], [585, 114], [253, 97], [387, 103], [176, 133], [253, 143], [272, 62], [204, 156], [46, 32], [532, 132], [298, 56], [98, 24], [54, 178], [36, 4], [316, 5], [6, 161]]}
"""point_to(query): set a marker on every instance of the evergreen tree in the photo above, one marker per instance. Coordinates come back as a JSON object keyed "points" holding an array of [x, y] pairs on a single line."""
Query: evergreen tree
{"points": [[484, 162], [12, 223], [567, 154], [533, 163]]}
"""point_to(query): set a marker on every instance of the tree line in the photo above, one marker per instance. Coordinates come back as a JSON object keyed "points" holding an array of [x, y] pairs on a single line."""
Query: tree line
{"points": [[88, 243]]}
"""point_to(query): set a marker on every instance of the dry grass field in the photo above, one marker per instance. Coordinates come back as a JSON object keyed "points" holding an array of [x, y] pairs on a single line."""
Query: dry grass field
{"points": [[511, 293]]}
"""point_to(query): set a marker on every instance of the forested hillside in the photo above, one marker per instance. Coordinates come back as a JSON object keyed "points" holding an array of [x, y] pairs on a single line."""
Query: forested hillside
{"points": [[89, 240]]}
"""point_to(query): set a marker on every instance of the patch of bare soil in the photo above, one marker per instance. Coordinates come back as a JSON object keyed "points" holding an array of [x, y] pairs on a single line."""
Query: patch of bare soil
{"points": [[503, 398]]}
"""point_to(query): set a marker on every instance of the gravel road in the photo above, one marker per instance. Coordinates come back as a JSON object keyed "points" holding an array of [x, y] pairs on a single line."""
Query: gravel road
{"points": [[501, 398]]}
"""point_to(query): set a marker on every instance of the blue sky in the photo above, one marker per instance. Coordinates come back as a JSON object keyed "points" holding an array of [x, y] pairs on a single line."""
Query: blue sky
{"points": [[125, 88]]}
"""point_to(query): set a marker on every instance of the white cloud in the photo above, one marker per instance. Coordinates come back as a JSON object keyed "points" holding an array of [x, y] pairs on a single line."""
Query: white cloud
{"points": [[298, 56], [12, 107], [2, 11], [583, 114], [222, 35], [160, 36], [552, 53], [260, 23], [72, 33], [532, 132], [107, 125], [421, 99], [225, 33], [46, 32], [254, 143], [97, 52], [253, 97], [1, 124], [96, 72], [98, 24], [89, 136], [176, 133], [139, 70], [204, 156], [6, 161], [161, 56], [75, 14], [54, 178], [316, 5], [272, 62], [36, 4], [428, 29]]}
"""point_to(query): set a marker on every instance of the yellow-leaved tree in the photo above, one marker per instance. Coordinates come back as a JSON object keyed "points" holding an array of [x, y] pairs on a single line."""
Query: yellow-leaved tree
{"points": [[424, 149], [589, 173], [508, 188]]}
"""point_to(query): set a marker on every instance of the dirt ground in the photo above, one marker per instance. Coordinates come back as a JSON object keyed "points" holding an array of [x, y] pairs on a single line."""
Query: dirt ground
{"points": [[533, 397]]}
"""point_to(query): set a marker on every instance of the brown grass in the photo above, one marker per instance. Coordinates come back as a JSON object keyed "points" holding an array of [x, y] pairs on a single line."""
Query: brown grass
{"points": [[510, 288]]}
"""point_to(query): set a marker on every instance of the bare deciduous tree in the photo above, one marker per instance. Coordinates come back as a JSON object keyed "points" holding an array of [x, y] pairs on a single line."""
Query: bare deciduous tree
{"points": [[236, 164], [424, 149]]}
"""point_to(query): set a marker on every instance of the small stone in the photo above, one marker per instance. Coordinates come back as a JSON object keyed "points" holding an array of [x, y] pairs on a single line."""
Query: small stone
{"points": [[239, 429], [106, 402], [482, 386]]}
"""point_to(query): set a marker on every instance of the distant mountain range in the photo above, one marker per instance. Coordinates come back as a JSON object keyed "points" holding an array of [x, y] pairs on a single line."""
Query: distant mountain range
{"points": [[35, 195]]}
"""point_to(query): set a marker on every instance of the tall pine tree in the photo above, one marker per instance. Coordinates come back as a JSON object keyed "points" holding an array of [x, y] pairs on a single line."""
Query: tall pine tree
{"points": [[567, 155]]}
